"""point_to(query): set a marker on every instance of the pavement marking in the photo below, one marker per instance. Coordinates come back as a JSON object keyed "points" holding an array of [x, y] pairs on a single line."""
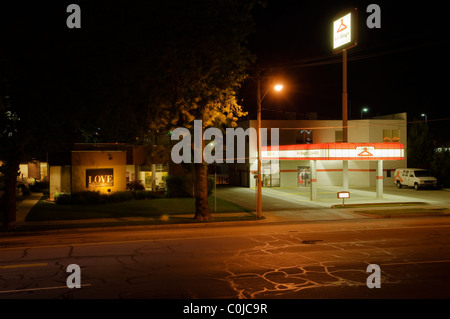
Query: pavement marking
{"points": [[416, 262], [23, 265], [37, 289]]}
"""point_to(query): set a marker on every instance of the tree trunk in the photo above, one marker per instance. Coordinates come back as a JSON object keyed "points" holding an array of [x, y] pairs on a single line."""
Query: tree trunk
{"points": [[202, 211], [9, 216]]}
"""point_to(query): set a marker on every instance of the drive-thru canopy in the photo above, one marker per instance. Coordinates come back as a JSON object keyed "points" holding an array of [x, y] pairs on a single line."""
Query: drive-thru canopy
{"points": [[337, 151]]}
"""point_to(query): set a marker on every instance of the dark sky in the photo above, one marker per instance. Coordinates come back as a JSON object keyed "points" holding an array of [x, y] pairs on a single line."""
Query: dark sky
{"points": [[401, 67]]}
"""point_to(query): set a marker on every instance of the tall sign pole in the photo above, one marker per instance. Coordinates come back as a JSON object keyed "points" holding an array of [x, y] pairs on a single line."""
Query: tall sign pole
{"points": [[344, 98], [345, 36]]}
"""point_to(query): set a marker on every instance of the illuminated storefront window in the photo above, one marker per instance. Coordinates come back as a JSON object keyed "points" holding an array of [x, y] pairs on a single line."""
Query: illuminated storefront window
{"points": [[153, 175], [271, 174]]}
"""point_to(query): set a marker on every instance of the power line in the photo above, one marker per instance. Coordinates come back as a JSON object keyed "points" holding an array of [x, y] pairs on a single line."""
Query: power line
{"points": [[399, 123], [333, 59]]}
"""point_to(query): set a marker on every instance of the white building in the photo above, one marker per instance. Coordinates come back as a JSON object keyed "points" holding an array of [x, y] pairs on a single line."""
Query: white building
{"points": [[311, 139]]}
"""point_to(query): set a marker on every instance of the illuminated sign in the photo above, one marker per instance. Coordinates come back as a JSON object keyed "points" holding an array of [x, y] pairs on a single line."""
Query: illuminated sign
{"points": [[365, 150], [345, 31], [343, 194], [299, 154], [335, 151], [99, 177]]}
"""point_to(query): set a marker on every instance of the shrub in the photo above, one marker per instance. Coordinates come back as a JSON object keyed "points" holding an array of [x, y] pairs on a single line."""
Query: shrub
{"points": [[135, 186], [151, 195], [93, 197], [86, 197], [141, 195], [63, 199], [118, 197], [440, 167], [25, 189], [176, 186], [39, 186]]}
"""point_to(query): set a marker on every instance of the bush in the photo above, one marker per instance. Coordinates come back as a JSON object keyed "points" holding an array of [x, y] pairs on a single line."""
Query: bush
{"points": [[440, 167], [92, 197], [25, 189], [63, 199], [118, 197], [39, 186], [176, 186], [135, 186], [87, 197], [141, 195], [151, 195]]}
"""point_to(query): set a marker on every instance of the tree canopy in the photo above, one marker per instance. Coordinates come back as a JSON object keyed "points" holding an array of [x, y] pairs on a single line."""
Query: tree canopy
{"points": [[132, 69]]}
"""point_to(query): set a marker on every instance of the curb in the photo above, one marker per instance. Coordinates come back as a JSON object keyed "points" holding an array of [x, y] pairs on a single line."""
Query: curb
{"points": [[405, 215], [393, 204], [104, 225]]}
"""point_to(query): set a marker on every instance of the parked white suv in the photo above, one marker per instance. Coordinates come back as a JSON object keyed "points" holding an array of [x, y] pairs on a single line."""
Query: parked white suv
{"points": [[414, 177]]}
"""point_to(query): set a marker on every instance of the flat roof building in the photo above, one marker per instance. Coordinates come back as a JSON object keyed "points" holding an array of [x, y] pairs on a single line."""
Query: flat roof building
{"points": [[104, 167], [375, 148]]}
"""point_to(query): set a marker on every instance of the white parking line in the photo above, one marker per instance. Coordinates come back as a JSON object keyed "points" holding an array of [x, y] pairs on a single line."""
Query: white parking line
{"points": [[416, 262], [37, 289]]}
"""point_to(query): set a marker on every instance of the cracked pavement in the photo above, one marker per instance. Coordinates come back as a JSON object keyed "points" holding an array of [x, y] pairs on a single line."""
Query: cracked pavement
{"points": [[294, 260]]}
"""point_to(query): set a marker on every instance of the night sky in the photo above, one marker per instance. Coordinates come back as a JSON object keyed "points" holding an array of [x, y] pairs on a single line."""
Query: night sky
{"points": [[401, 67]]}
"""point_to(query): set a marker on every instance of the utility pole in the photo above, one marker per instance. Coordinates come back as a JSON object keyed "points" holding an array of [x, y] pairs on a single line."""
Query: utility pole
{"points": [[258, 137]]}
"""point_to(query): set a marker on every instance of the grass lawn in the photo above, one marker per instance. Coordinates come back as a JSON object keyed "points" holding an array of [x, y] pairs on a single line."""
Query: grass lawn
{"points": [[166, 209]]}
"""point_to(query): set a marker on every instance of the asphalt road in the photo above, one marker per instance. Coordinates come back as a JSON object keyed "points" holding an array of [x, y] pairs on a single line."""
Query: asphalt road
{"points": [[262, 261]]}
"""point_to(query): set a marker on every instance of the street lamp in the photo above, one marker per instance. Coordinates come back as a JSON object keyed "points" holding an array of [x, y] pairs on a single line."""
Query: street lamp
{"points": [[426, 118], [363, 110], [278, 87], [259, 98]]}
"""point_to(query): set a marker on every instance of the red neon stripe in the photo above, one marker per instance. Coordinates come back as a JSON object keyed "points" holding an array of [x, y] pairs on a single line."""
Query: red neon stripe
{"points": [[335, 158], [379, 177], [326, 146]]}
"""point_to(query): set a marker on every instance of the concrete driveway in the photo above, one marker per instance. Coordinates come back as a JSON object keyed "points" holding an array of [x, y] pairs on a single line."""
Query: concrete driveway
{"points": [[294, 204]]}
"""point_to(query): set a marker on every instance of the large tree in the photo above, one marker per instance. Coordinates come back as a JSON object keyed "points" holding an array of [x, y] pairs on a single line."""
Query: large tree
{"points": [[202, 62], [133, 69]]}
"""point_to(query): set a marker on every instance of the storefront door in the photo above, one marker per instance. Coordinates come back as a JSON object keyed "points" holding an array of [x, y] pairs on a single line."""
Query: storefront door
{"points": [[303, 176], [271, 174]]}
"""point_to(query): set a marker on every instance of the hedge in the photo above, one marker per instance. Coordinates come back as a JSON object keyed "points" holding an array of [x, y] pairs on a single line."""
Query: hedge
{"points": [[95, 197]]}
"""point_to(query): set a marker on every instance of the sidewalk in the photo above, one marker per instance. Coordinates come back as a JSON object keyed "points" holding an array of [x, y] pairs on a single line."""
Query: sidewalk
{"points": [[320, 211], [25, 205]]}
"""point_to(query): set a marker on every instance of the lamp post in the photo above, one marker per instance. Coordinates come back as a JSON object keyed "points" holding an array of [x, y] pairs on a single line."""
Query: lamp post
{"points": [[259, 99], [363, 110], [426, 118]]}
